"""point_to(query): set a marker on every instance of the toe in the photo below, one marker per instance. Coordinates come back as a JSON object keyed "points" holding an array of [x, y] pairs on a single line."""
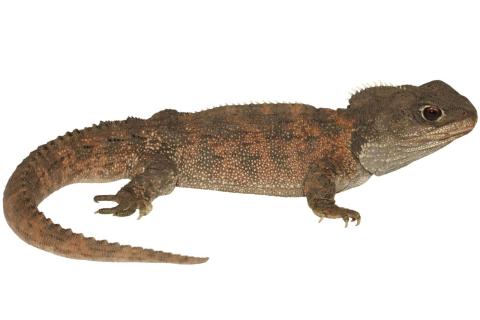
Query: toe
{"points": [[127, 204], [128, 211], [346, 219], [105, 197], [123, 209], [106, 210]]}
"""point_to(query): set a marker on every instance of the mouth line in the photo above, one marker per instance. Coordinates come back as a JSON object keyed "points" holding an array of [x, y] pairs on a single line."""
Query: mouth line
{"points": [[465, 128], [452, 134], [445, 137]]}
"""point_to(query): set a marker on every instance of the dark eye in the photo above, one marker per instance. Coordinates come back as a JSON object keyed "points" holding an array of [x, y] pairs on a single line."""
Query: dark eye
{"points": [[431, 113]]}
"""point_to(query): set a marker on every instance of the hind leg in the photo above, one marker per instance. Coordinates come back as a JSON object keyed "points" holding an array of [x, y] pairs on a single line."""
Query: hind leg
{"points": [[158, 178]]}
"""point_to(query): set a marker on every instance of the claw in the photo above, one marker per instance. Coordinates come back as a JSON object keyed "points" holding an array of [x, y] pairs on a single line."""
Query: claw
{"points": [[144, 210], [355, 217]]}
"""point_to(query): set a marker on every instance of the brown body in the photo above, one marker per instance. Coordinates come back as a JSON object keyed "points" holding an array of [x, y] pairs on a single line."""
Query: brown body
{"points": [[271, 149], [263, 149]]}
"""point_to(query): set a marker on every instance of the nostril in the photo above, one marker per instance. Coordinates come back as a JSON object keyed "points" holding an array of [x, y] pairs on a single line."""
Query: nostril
{"points": [[471, 113], [474, 116]]}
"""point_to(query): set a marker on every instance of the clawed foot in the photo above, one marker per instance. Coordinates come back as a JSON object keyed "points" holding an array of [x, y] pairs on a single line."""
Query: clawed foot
{"points": [[335, 212], [127, 204]]}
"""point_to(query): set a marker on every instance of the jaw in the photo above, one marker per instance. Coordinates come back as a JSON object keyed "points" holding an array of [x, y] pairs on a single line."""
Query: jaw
{"points": [[390, 153], [380, 159]]}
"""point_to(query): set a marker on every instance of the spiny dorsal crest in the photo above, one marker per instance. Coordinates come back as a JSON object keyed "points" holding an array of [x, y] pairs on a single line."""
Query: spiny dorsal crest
{"points": [[370, 94]]}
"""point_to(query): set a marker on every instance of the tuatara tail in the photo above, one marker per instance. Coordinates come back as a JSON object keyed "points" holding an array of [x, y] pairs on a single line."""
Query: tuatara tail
{"points": [[40, 174]]}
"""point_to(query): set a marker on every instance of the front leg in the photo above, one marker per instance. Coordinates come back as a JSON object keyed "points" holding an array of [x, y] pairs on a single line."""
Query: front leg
{"points": [[319, 188]]}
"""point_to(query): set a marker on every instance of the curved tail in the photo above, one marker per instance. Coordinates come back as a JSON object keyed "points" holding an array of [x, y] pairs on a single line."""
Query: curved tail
{"points": [[33, 180]]}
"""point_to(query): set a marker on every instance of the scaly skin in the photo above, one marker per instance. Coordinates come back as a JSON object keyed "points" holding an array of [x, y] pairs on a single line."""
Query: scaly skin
{"points": [[272, 149]]}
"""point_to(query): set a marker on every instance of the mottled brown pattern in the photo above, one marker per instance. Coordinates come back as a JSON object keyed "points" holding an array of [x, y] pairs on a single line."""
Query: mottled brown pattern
{"points": [[112, 153], [271, 149], [262, 149]]}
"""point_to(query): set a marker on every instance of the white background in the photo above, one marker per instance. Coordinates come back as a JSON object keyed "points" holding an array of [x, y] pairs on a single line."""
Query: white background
{"points": [[66, 65]]}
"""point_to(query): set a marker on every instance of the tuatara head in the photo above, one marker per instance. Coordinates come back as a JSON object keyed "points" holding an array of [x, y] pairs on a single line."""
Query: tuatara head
{"points": [[400, 124]]}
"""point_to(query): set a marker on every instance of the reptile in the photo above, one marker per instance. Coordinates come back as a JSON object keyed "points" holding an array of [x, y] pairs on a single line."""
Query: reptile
{"points": [[278, 149]]}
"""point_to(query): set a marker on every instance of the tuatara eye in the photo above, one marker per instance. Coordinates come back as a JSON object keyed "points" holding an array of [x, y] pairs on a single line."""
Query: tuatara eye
{"points": [[431, 113]]}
